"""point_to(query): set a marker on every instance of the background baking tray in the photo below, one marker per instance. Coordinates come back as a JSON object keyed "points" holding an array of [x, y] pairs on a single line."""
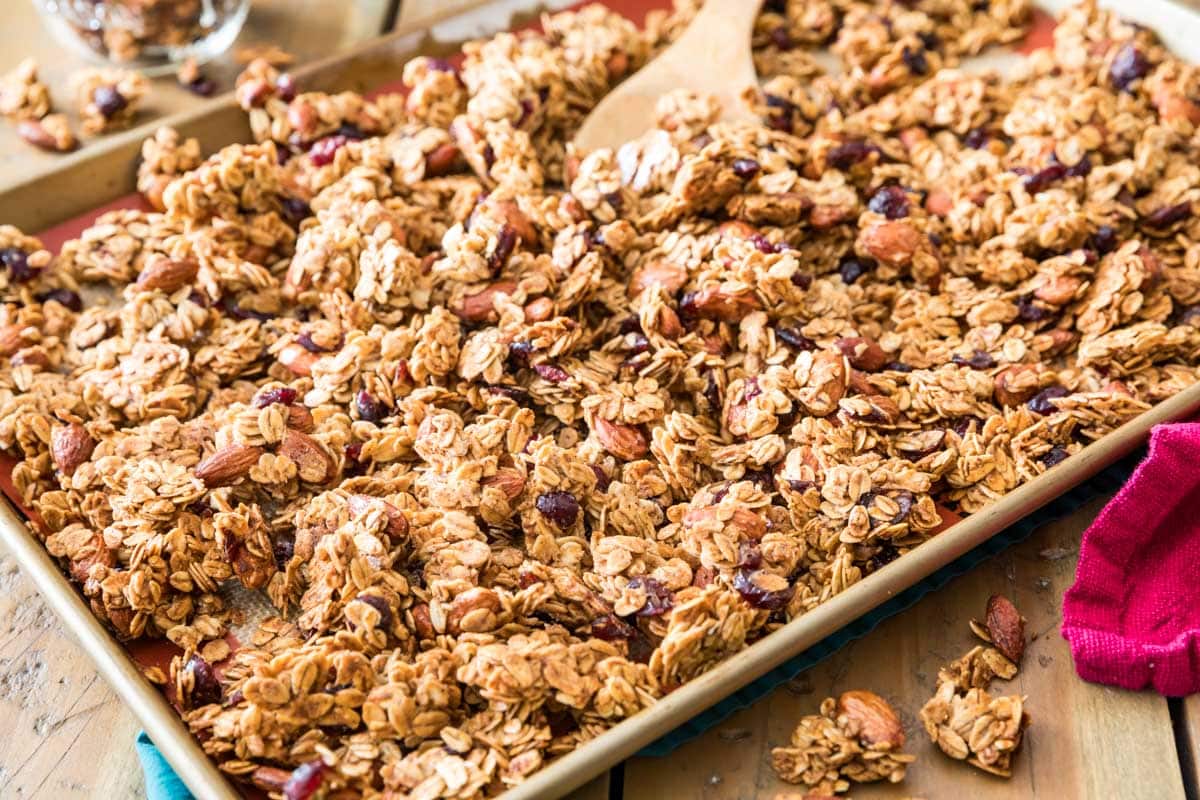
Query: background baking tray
{"points": [[103, 174]]}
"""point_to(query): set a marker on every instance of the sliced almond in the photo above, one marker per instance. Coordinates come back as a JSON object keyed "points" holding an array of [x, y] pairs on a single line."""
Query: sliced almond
{"points": [[312, 462], [228, 464], [624, 441], [70, 446], [167, 274], [871, 718], [1005, 627]]}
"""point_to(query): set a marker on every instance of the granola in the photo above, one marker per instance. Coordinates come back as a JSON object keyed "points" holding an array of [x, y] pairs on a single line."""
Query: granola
{"points": [[856, 738], [962, 718], [108, 98], [517, 439]]}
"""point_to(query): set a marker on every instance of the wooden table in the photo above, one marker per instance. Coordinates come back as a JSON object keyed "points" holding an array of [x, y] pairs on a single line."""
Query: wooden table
{"points": [[67, 735]]}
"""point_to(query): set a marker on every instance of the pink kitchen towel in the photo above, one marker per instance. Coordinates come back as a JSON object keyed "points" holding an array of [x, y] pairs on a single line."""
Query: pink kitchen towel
{"points": [[1133, 616]]}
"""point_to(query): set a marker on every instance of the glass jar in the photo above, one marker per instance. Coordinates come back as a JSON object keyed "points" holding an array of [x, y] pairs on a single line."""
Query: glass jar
{"points": [[152, 35]]}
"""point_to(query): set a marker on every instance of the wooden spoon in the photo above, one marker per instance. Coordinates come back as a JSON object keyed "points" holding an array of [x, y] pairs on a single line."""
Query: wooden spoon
{"points": [[712, 56]]}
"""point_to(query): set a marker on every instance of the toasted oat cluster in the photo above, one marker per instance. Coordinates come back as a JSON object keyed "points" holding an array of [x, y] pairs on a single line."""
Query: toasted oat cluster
{"points": [[517, 439], [856, 738], [108, 98]]}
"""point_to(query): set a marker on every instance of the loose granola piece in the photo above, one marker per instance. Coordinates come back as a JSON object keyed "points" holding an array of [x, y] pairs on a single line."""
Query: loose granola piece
{"points": [[52, 132], [108, 98], [984, 731], [22, 95], [856, 738]]}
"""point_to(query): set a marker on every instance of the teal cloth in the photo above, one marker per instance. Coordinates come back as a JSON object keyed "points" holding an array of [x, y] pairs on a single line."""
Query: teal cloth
{"points": [[161, 781], [162, 784]]}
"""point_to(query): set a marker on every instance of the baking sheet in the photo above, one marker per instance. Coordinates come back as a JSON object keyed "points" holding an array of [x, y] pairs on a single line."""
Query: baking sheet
{"points": [[88, 180]]}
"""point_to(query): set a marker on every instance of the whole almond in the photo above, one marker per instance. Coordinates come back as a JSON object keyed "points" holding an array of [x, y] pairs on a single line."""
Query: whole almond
{"points": [[659, 272], [508, 480], [440, 161], [12, 339], [397, 523], [743, 521], [1005, 627], [312, 462], [539, 310], [863, 353], [872, 717], [893, 242], [167, 274], [270, 779], [300, 418], [480, 307], [510, 213], [717, 304], [297, 359], [1016, 384], [472, 610], [32, 131], [423, 621], [1059, 290], [668, 323], [31, 357], [70, 446], [302, 116], [736, 229], [228, 464], [624, 441]]}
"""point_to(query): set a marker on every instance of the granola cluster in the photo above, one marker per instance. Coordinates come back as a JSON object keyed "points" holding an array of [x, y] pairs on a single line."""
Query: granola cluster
{"points": [[517, 439], [856, 738], [25, 102]]}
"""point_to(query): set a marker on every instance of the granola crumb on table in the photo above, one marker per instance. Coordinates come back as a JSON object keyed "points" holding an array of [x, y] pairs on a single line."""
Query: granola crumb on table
{"points": [[108, 98], [518, 439]]}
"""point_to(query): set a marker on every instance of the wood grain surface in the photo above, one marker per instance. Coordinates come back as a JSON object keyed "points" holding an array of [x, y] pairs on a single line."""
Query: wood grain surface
{"points": [[67, 736]]}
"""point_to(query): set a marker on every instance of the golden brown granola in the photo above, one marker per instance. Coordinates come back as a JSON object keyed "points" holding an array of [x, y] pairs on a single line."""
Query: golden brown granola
{"points": [[22, 95], [856, 738], [517, 439], [108, 98]]}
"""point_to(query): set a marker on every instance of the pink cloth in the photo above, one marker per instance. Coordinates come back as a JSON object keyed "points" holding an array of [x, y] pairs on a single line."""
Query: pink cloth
{"points": [[1133, 615]]}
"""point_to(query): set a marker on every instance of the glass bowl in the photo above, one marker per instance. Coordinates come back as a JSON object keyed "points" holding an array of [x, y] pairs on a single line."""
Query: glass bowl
{"points": [[152, 35]]}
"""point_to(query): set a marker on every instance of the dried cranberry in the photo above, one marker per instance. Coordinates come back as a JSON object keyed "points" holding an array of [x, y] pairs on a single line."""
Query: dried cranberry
{"points": [[794, 338], [1040, 403], [370, 408], [980, 359], [800, 486], [284, 395], [758, 597], [324, 149], [550, 372], [506, 242], [930, 40], [630, 324], [206, 689], [637, 343], [489, 156], [915, 61], [762, 478], [746, 168], [611, 628], [1169, 215], [440, 65], [1104, 240], [961, 425], [904, 499], [851, 269], [1190, 316], [16, 261], [283, 550], [1056, 455], [305, 340], [285, 86], [1029, 311], [1129, 64], [379, 604], [712, 392], [514, 393], [305, 781], [67, 298], [203, 86], [886, 554], [352, 454], [659, 599], [561, 508], [898, 366], [108, 100], [295, 210], [237, 312], [977, 138], [749, 555], [1081, 169], [526, 111], [602, 479], [801, 280], [519, 352], [1043, 179], [762, 243], [891, 201], [780, 38], [350, 131], [752, 389], [844, 156]]}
